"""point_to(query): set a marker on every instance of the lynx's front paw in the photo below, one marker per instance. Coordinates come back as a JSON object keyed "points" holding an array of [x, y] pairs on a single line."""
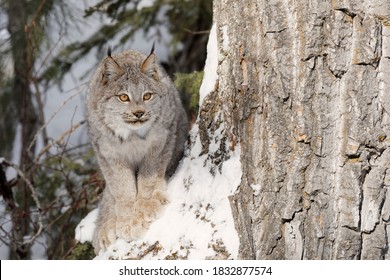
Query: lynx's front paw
{"points": [[161, 196], [123, 228], [132, 228], [151, 208], [139, 227], [104, 235]]}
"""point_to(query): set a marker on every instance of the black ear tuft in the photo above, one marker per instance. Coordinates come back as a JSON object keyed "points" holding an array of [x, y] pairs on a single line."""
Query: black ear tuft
{"points": [[152, 51], [109, 51], [110, 69], [150, 65]]}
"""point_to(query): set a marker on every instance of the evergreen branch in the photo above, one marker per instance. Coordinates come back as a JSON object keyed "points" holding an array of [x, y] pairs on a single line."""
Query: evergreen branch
{"points": [[129, 21]]}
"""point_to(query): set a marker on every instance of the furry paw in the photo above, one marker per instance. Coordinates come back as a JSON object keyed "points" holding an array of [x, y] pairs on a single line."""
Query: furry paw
{"points": [[132, 228], [150, 209], [139, 227], [104, 235], [161, 196], [123, 229]]}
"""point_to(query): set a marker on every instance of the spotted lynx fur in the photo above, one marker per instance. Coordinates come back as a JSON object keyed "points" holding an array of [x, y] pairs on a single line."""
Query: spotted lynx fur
{"points": [[137, 127]]}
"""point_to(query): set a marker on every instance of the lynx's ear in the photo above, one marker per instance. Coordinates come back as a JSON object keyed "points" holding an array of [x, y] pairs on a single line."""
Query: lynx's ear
{"points": [[111, 68], [150, 65]]}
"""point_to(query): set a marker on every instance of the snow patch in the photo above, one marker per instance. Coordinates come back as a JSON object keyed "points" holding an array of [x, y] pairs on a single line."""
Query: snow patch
{"points": [[85, 229], [145, 4], [210, 76]]}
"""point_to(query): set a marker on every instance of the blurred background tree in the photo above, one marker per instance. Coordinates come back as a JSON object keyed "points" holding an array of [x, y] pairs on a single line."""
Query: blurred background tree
{"points": [[26, 26], [56, 185]]}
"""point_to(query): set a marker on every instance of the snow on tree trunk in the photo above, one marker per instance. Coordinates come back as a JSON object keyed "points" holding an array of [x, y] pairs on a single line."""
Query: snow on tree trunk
{"points": [[304, 88]]}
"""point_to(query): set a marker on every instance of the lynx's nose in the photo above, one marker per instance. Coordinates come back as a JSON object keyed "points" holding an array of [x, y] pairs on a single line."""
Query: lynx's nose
{"points": [[139, 114]]}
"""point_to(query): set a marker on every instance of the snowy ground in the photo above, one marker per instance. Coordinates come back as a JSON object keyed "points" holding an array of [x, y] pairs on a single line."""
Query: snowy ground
{"points": [[198, 223]]}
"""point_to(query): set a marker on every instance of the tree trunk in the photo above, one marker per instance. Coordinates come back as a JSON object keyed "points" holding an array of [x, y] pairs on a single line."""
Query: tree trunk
{"points": [[22, 54], [304, 87]]}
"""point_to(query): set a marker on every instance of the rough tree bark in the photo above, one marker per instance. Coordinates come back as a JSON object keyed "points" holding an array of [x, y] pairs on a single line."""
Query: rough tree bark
{"points": [[304, 87]]}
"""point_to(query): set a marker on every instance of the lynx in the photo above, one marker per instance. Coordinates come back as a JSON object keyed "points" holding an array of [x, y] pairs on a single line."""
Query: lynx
{"points": [[138, 128]]}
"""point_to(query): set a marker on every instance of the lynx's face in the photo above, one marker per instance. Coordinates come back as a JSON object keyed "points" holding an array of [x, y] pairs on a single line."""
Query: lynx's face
{"points": [[133, 108], [131, 99]]}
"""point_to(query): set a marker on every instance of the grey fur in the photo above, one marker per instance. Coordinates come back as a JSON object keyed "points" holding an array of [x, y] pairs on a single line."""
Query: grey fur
{"points": [[137, 143]]}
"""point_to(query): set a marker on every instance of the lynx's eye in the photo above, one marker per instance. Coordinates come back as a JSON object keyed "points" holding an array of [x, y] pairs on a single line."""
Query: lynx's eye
{"points": [[123, 97], [147, 96]]}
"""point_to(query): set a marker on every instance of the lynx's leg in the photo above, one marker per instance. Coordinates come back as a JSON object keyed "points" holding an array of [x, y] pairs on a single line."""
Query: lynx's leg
{"points": [[151, 198], [148, 207], [105, 233], [124, 193], [152, 194], [122, 185]]}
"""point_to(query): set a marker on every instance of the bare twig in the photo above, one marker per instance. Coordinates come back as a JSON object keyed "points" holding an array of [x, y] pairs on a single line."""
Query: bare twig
{"points": [[41, 115], [68, 136], [38, 93], [66, 176], [6, 237], [50, 119], [50, 52], [36, 14], [196, 32], [59, 141]]}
